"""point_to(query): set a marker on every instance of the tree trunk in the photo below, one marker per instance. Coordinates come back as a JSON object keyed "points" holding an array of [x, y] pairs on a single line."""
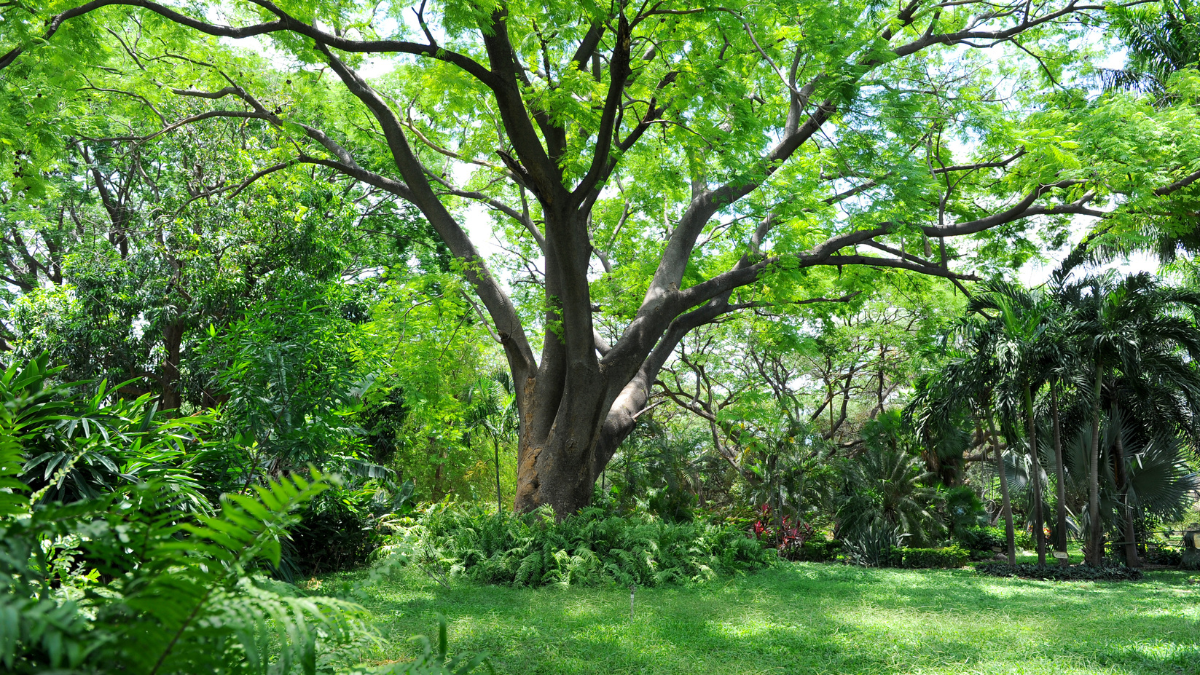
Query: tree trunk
{"points": [[1035, 478], [1095, 548], [1060, 474], [1131, 554], [499, 498], [172, 397], [1006, 504]]}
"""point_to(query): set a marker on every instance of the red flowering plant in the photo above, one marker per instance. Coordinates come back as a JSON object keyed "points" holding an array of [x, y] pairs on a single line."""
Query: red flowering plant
{"points": [[783, 534]]}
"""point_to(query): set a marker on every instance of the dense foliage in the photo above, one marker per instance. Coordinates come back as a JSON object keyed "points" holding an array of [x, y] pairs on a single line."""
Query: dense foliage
{"points": [[1061, 573], [145, 578], [591, 547], [564, 293]]}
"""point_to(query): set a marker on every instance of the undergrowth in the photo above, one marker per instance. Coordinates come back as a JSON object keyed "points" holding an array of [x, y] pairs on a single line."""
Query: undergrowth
{"points": [[1061, 573], [591, 547]]}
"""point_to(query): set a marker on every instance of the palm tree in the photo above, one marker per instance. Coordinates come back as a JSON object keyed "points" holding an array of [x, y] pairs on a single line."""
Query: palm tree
{"points": [[1060, 359], [969, 379], [1161, 38], [1018, 318], [886, 488], [1141, 332]]}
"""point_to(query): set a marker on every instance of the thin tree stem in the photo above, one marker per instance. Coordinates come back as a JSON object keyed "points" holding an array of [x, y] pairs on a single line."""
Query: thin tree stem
{"points": [[1095, 548], [1035, 483], [1006, 504], [1060, 473]]}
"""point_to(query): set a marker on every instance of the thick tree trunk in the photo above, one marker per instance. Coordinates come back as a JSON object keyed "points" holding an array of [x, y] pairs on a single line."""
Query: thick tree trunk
{"points": [[1005, 502], [1060, 474], [561, 467], [1095, 547], [1131, 554], [1035, 478]]}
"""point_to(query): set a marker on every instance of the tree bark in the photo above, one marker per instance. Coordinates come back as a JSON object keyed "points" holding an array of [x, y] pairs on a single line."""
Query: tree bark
{"points": [[1122, 477], [1095, 547], [1035, 478], [1060, 474], [172, 397], [1006, 503]]}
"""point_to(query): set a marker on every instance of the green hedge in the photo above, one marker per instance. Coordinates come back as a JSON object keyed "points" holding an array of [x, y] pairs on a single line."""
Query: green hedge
{"points": [[948, 557], [1061, 573], [981, 542], [820, 550]]}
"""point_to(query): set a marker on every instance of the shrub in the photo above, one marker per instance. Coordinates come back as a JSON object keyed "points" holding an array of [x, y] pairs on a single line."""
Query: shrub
{"points": [[1061, 573], [981, 541], [963, 510], [948, 557], [591, 547], [877, 545], [135, 581], [788, 538], [981, 538], [1164, 555], [1023, 540], [332, 536], [820, 550]]}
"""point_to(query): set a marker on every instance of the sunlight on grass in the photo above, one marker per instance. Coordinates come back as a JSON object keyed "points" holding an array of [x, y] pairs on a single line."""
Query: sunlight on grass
{"points": [[811, 618]]}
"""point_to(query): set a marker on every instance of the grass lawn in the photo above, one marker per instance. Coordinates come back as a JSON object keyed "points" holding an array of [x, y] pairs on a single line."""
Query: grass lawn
{"points": [[812, 618]]}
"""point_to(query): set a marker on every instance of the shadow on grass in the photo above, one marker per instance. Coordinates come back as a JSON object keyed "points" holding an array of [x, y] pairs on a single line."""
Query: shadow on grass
{"points": [[812, 619]]}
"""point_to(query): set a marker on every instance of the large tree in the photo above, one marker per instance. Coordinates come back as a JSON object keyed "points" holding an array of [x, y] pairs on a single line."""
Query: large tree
{"points": [[662, 162]]}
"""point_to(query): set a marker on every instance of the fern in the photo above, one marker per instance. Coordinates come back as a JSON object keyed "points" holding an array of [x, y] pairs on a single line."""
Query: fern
{"points": [[591, 547], [130, 581]]}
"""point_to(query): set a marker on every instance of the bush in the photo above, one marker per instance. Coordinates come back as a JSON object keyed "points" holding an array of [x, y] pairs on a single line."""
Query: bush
{"points": [[136, 581], [787, 538], [981, 538], [1060, 573], [981, 541], [340, 529], [1164, 555], [948, 557], [331, 537], [1023, 540], [963, 510], [591, 547], [820, 550], [877, 545]]}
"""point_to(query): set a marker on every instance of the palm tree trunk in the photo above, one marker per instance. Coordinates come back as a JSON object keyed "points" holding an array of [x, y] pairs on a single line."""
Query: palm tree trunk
{"points": [[1006, 504], [1060, 474], [1095, 548], [1131, 555], [1035, 483]]}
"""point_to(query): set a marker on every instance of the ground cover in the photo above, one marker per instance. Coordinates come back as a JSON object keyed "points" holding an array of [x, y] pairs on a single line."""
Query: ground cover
{"points": [[811, 618]]}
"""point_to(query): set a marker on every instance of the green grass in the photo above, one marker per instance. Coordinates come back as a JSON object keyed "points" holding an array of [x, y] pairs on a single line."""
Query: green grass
{"points": [[811, 618]]}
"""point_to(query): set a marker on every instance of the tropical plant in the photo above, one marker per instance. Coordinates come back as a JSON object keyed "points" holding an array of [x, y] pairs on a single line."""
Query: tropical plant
{"points": [[492, 409], [1017, 320], [1139, 330], [876, 545], [130, 582], [1162, 39], [968, 380], [591, 547], [886, 491]]}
